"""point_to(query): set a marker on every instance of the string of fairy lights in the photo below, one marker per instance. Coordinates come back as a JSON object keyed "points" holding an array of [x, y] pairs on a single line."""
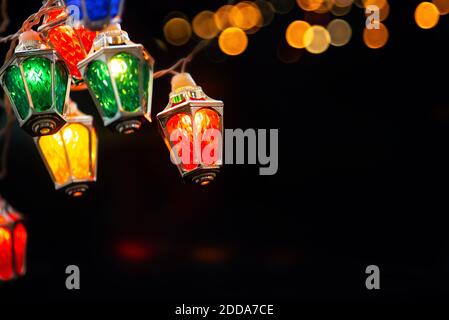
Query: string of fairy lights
{"points": [[76, 45], [323, 24]]}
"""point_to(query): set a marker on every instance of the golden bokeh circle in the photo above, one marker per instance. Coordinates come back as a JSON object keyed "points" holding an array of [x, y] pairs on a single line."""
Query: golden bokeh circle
{"points": [[245, 15], [317, 39], [177, 31], [233, 41], [427, 15], [376, 38], [204, 25], [295, 34], [442, 5], [340, 32]]}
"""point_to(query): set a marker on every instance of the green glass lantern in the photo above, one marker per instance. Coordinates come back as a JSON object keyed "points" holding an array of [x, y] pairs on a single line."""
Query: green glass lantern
{"points": [[119, 75], [37, 83]]}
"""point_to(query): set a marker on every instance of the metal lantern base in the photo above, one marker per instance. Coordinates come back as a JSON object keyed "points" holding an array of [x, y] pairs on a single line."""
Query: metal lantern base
{"points": [[201, 176], [43, 125], [128, 126], [76, 190]]}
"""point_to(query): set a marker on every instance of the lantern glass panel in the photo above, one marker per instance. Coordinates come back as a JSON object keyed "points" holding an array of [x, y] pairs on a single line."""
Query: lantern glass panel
{"points": [[17, 92], [94, 151], [61, 77], [76, 140], [37, 73], [180, 131], [6, 259], [20, 240], [97, 76], [207, 125], [52, 148], [125, 72]]}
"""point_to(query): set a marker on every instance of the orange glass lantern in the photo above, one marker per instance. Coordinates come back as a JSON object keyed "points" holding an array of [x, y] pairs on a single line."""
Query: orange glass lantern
{"points": [[71, 154], [192, 127], [13, 243], [72, 42]]}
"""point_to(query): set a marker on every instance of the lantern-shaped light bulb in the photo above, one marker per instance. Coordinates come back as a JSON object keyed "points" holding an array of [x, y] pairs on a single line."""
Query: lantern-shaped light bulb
{"points": [[192, 128], [37, 82], [71, 154], [97, 14], [119, 75], [69, 38], [13, 243]]}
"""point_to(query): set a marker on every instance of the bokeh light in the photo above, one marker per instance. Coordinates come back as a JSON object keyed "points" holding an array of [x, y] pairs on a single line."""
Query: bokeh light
{"points": [[233, 41], [376, 38], [340, 11], [427, 15], [222, 17], [378, 3], [340, 32], [309, 5], [326, 6], [442, 5], [295, 34], [245, 15], [343, 3], [317, 39], [177, 31], [204, 25]]}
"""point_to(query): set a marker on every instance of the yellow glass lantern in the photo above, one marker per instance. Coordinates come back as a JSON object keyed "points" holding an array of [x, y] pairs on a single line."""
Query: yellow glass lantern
{"points": [[71, 154]]}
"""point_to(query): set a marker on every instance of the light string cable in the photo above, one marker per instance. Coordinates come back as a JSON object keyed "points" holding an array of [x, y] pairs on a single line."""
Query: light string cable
{"points": [[183, 61]]}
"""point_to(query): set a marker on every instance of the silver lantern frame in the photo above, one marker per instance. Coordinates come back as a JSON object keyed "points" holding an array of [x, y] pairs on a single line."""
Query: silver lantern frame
{"points": [[192, 99], [6, 210], [106, 46], [74, 186], [37, 123]]}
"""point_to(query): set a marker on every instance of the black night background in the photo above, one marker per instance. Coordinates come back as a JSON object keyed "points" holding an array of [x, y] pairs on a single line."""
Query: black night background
{"points": [[362, 180]]}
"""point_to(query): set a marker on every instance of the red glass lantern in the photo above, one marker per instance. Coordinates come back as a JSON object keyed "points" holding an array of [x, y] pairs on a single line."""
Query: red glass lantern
{"points": [[13, 242], [72, 42], [192, 127]]}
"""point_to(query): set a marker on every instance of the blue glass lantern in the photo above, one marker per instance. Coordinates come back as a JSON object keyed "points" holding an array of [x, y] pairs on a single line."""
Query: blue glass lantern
{"points": [[96, 14]]}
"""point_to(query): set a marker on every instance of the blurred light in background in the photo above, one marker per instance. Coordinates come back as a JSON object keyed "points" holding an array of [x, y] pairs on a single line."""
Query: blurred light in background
{"points": [[326, 6], [442, 5], [245, 15], [317, 39], [340, 32], [376, 38], [233, 41], [211, 254], [309, 5], [222, 17], [295, 34], [378, 3], [427, 15], [177, 31], [204, 25], [340, 11], [343, 3]]}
